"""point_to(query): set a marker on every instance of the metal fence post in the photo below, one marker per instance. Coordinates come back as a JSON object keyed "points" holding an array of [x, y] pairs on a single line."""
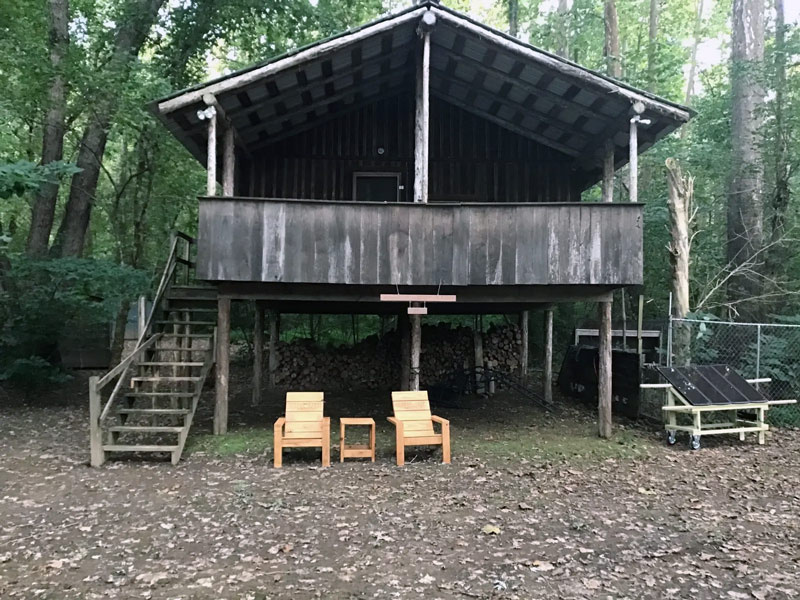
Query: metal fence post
{"points": [[669, 333], [758, 353]]}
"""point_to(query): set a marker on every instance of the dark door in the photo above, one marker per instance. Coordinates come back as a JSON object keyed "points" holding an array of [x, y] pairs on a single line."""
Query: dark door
{"points": [[376, 187]]}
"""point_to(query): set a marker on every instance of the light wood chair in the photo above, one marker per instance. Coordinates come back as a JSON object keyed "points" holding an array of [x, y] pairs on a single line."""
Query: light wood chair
{"points": [[303, 426], [413, 424]]}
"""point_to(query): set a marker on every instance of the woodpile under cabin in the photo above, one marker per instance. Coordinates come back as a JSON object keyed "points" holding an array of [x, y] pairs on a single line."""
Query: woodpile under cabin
{"points": [[423, 163]]}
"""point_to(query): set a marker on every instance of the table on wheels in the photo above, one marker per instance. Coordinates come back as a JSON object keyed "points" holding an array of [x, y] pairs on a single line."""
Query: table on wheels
{"points": [[356, 450]]}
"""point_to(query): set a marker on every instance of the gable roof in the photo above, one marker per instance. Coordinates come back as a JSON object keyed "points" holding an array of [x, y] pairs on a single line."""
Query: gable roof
{"points": [[525, 89]]}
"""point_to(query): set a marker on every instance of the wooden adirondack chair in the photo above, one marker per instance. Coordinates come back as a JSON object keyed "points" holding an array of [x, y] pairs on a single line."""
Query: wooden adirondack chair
{"points": [[413, 424], [303, 426]]}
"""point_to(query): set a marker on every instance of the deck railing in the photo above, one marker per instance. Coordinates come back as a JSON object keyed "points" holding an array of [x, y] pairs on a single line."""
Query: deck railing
{"points": [[451, 244]]}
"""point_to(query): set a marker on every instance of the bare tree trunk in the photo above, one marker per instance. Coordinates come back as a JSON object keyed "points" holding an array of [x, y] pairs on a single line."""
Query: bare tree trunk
{"points": [[44, 202], [782, 195], [130, 36], [652, 45], [562, 31], [611, 47], [681, 193], [745, 227]]}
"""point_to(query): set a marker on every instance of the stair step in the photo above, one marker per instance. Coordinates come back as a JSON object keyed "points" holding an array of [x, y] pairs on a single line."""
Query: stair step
{"points": [[139, 448], [144, 429], [170, 364], [167, 379], [184, 323], [160, 394], [186, 335], [153, 411]]}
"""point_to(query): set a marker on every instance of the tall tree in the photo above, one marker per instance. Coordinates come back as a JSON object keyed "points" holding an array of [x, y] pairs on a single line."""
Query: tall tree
{"points": [[611, 46], [134, 26], [44, 202], [562, 29], [745, 224], [781, 195], [513, 17], [652, 45]]}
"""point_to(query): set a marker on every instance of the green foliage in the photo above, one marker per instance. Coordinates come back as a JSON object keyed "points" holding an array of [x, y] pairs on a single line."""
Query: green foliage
{"points": [[21, 177], [42, 300]]}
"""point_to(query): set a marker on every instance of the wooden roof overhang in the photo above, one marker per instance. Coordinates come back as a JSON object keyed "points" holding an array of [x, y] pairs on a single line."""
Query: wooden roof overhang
{"points": [[529, 91]]}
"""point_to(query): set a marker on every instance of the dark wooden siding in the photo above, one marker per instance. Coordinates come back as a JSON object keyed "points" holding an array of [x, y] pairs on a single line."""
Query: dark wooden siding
{"points": [[363, 243], [471, 159]]}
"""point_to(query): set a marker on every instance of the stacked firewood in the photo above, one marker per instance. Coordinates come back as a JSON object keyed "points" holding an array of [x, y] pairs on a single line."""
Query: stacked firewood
{"points": [[374, 363], [502, 346]]}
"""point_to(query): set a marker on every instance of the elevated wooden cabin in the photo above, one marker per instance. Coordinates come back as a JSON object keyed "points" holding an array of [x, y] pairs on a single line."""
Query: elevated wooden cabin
{"points": [[422, 153]]}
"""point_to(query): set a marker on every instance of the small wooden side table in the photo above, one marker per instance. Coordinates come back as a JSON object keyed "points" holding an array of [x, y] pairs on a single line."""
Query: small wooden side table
{"points": [[356, 450]]}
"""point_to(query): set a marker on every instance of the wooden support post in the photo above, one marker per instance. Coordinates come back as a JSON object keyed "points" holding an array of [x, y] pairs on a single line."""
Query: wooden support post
{"points": [[604, 392], [223, 365], [422, 116], [228, 161], [608, 172], [639, 348], [416, 345], [477, 344], [211, 151], [258, 352], [404, 332], [97, 455], [624, 319], [548, 355], [524, 318], [274, 338]]}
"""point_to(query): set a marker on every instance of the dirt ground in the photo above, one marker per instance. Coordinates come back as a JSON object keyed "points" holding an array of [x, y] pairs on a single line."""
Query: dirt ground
{"points": [[533, 506]]}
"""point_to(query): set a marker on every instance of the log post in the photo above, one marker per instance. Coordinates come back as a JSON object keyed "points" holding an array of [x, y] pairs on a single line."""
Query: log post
{"points": [[97, 454], [477, 344], [524, 318], [211, 153], [548, 355], [416, 345], [404, 332], [228, 160], [608, 172], [422, 116], [274, 338], [258, 352], [604, 392], [223, 365], [141, 317], [633, 148]]}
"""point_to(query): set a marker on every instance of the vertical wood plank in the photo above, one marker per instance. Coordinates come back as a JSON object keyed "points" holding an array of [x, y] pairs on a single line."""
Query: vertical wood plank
{"points": [[211, 156]]}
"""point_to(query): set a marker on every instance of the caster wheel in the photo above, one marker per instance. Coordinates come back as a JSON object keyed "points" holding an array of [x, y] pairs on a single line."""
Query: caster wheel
{"points": [[671, 439], [694, 442]]}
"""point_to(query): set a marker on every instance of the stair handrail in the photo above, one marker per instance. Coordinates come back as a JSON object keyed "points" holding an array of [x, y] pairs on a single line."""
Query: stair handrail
{"points": [[143, 341]]}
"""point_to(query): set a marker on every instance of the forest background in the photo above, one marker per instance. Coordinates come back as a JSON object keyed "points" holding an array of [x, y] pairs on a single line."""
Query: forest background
{"points": [[91, 185]]}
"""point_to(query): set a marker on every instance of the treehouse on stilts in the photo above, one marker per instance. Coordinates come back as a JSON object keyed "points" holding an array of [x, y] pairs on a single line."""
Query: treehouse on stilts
{"points": [[423, 153]]}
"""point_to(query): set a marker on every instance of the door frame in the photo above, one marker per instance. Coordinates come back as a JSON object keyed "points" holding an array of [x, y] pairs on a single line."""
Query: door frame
{"points": [[357, 174]]}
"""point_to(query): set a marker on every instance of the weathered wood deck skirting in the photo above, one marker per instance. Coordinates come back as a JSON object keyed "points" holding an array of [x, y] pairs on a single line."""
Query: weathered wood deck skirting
{"points": [[315, 241]]}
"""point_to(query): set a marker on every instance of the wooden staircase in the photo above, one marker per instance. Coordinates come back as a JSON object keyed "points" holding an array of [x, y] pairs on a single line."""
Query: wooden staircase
{"points": [[158, 385]]}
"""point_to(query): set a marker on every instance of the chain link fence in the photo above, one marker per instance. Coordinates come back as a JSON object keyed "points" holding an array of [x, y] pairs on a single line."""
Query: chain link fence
{"points": [[754, 350]]}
